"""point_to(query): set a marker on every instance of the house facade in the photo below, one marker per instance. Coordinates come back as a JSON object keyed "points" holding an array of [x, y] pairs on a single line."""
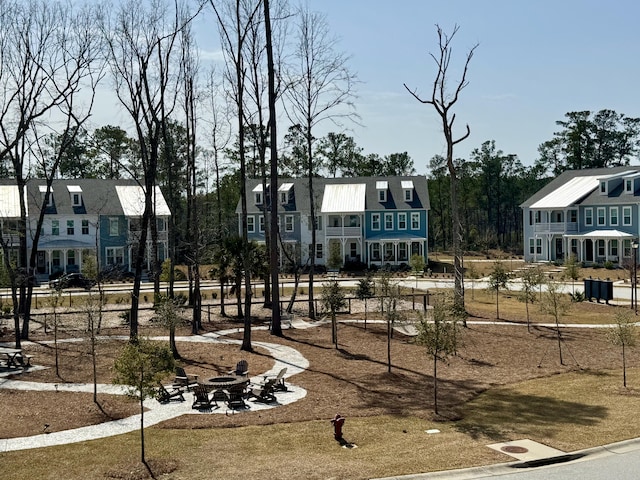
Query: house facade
{"points": [[365, 220], [591, 214], [83, 217]]}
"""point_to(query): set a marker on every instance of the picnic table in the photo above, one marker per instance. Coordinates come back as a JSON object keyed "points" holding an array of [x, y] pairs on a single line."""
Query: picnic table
{"points": [[11, 356]]}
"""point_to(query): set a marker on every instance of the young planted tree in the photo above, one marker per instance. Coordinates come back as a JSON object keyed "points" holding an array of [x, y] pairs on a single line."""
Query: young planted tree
{"points": [[333, 300], [532, 278], [364, 292], [141, 366], [498, 279], [572, 271], [389, 296], [473, 275], [438, 336], [557, 304], [623, 334], [443, 101], [320, 87], [168, 317]]}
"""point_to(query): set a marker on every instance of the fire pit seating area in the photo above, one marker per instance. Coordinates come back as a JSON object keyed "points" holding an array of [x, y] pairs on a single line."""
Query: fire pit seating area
{"points": [[232, 390]]}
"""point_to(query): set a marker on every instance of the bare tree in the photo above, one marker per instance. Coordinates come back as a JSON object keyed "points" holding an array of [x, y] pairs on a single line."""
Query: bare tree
{"points": [[47, 55], [142, 53], [320, 87], [443, 101], [235, 18]]}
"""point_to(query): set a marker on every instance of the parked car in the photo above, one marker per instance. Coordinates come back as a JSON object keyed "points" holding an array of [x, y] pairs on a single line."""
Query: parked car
{"points": [[116, 273], [72, 280]]}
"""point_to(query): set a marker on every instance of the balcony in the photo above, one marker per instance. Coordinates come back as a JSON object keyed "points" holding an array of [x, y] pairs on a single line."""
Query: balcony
{"points": [[556, 227], [343, 232]]}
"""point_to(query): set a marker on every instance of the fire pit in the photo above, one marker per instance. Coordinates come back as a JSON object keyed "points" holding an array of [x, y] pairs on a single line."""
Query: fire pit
{"points": [[226, 381]]}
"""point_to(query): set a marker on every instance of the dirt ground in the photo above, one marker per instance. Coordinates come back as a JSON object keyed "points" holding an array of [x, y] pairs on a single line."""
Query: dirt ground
{"points": [[353, 379]]}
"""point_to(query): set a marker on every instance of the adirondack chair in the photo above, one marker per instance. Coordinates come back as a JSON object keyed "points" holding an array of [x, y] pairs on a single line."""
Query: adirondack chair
{"points": [[201, 399], [241, 370], [184, 379], [235, 396], [279, 385], [265, 392], [165, 396]]}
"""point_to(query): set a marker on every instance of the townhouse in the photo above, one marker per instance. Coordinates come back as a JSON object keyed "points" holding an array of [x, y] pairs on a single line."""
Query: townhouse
{"points": [[375, 221], [593, 214], [82, 217]]}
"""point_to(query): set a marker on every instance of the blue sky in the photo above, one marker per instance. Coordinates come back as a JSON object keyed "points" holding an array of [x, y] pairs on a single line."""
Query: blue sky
{"points": [[536, 60]]}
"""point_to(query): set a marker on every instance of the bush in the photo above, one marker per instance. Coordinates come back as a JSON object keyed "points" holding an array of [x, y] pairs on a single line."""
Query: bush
{"points": [[578, 296], [608, 265], [178, 275]]}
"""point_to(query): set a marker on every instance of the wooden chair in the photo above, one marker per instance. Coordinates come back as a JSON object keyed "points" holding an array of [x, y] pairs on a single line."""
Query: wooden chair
{"points": [[279, 385], [184, 379], [201, 399], [265, 392], [241, 370], [235, 396], [165, 396]]}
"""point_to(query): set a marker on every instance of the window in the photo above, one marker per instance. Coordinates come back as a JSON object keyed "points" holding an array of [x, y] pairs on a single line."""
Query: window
{"points": [[626, 245], [161, 224], [261, 223], [70, 228], [613, 216], [318, 222], [573, 216], [375, 221], [284, 197], [85, 227], [251, 224], [408, 195], [613, 248], [626, 216], [318, 250], [114, 227], [602, 219], [532, 246], [538, 216], [375, 252], [539, 246], [588, 216], [382, 195], [601, 250], [76, 199], [115, 255], [388, 221], [258, 198], [288, 223], [415, 221], [388, 252], [603, 187], [402, 221], [574, 246], [55, 227], [71, 257], [55, 258], [402, 251], [353, 249], [628, 186]]}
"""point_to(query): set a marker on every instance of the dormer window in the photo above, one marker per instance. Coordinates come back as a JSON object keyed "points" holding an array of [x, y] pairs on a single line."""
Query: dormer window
{"points": [[628, 185], [407, 190], [284, 193], [43, 192], [258, 194], [76, 195], [382, 188], [603, 187]]}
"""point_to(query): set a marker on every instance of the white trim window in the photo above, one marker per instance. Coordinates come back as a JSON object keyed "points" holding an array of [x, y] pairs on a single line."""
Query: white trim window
{"points": [[375, 252], [288, 223], [532, 246], [602, 216], [258, 197], [402, 221], [319, 252], [115, 255], [626, 216], [114, 227], [388, 221], [375, 221], [600, 245], [415, 220], [70, 227], [613, 248], [628, 185], [382, 195], [588, 217], [613, 216], [573, 216], [603, 187], [539, 246], [55, 227], [626, 247], [251, 224], [261, 223], [85, 227], [408, 195]]}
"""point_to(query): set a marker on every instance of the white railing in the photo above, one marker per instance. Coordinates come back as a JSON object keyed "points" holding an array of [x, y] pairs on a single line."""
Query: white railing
{"points": [[556, 227], [343, 231]]}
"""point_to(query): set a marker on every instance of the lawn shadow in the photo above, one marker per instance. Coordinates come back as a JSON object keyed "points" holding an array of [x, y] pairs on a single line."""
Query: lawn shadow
{"points": [[506, 411]]}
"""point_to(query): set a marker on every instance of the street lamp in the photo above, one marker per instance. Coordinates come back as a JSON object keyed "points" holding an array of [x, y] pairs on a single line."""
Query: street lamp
{"points": [[634, 280]]}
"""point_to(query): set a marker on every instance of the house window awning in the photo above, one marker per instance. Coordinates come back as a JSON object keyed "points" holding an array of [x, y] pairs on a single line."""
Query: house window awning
{"points": [[604, 234], [258, 188]]}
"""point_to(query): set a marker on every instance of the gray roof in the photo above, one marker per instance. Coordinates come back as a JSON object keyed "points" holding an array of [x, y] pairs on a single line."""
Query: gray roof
{"points": [[578, 187], [300, 201]]}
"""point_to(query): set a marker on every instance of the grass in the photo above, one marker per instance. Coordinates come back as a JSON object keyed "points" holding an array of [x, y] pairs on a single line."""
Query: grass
{"points": [[570, 411]]}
